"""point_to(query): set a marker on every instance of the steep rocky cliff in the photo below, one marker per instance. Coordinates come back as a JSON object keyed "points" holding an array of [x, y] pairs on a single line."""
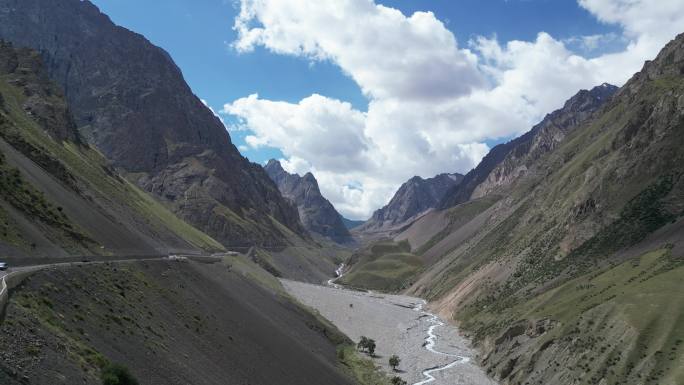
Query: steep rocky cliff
{"points": [[506, 162], [316, 213], [130, 100], [59, 197], [413, 198], [544, 138]]}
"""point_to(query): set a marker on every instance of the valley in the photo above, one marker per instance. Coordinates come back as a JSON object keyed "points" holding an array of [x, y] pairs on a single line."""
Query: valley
{"points": [[428, 348], [505, 230]]}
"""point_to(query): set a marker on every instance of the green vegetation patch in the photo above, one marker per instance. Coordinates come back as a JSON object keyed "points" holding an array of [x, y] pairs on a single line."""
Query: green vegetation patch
{"points": [[115, 374], [385, 266], [9, 232], [362, 369]]}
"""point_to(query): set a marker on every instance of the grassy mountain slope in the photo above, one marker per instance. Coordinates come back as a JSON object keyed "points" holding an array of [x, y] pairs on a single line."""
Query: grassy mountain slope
{"points": [[541, 273], [621, 324], [60, 196], [385, 265]]}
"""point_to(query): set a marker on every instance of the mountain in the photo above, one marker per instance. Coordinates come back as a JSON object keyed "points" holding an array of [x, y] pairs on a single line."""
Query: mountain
{"points": [[199, 320], [413, 199], [59, 196], [316, 213], [350, 223], [562, 253], [130, 100], [510, 160]]}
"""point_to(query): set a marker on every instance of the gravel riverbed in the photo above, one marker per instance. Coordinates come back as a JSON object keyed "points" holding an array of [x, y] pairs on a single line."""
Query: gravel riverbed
{"points": [[399, 326]]}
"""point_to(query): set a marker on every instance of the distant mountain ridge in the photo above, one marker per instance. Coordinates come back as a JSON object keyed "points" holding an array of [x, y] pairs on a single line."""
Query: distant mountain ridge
{"points": [[413, 198], [130, 100], [316, 213], [509, 160], [351, 223]]}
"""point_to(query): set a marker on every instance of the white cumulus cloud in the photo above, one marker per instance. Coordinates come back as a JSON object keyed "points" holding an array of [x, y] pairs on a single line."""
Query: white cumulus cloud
{"points": [[431, 102]]}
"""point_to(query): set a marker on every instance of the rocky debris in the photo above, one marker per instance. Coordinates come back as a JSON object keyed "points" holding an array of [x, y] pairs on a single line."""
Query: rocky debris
{"points": [[316, 213], [398, 328]]}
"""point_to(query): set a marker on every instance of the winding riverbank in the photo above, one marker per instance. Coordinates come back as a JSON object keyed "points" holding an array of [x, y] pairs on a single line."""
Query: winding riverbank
{"points": [[431, 351], [430, 342]]}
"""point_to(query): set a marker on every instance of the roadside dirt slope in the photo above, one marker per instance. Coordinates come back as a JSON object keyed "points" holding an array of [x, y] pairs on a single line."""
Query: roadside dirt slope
{"points": [[168, 322]]}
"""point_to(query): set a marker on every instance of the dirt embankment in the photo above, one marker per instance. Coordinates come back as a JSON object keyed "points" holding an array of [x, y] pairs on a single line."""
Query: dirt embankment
{"points": [[168, 322]]}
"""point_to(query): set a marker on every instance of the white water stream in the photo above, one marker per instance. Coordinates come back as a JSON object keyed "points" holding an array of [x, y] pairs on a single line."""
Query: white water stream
{"points": [[338, 274], [429, 345], [429, 342]]}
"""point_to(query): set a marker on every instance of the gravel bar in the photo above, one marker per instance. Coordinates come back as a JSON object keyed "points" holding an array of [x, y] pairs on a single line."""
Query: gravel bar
{"points": [[399, 326]]}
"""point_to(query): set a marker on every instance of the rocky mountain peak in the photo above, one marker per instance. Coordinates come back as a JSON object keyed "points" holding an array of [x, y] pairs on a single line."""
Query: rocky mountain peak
{"points": [[668, 65], [275, 165], [414, 197], [309, 177], [317, 213]]}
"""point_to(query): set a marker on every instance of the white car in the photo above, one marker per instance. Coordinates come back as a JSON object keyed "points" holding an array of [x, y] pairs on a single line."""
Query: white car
{"points": [[3, 266]]}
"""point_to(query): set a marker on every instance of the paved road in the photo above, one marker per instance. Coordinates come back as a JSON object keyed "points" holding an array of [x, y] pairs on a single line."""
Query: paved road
{"points": [[432, 352]]}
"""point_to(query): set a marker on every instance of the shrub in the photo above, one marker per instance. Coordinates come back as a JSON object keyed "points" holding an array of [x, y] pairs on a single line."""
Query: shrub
{"points": [[366, 344], [394, 361], [115, 374]]}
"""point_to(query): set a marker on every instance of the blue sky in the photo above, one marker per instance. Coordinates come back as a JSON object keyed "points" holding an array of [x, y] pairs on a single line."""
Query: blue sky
{"points": [[198, 34], [366, 95]]}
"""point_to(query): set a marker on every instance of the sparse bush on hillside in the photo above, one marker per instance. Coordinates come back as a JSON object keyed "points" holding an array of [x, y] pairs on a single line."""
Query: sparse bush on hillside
{"points": [[398, 381], [115, 374], [641, 216]]}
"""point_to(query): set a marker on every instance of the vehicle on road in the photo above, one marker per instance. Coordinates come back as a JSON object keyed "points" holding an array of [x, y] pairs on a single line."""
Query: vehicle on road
{"points": [[3, 266], [178, 258]]}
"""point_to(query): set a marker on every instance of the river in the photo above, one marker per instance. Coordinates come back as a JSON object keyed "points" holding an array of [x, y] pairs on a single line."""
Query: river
{"points": [[431, 351]]}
